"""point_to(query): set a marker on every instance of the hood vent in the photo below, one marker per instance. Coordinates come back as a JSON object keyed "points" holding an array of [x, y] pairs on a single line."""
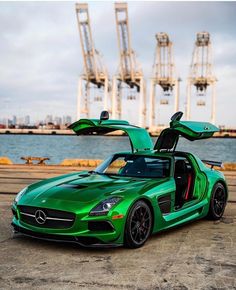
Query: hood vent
{"points": [[70, 185], [84, 175]]}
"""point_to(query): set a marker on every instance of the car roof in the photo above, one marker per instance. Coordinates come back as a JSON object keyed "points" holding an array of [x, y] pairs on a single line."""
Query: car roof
{"points": [[153, 153]]}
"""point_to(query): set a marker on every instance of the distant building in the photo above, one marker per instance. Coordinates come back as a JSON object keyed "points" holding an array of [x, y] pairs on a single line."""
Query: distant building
{"points": [[27, 120], [20, 121], [14, 120], [49, 119], [57, 121], [67, 120]]}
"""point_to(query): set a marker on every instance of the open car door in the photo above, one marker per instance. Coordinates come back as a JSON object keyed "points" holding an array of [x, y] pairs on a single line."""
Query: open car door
{"points": [[169, 137], [139, 137]]}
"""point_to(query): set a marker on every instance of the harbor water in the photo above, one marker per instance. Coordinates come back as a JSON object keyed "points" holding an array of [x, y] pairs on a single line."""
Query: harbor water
{"points": [[58, 148]]}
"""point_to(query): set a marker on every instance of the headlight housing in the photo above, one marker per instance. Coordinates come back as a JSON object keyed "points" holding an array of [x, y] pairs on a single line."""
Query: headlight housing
{"points": [[103, 207], [20, 194]]}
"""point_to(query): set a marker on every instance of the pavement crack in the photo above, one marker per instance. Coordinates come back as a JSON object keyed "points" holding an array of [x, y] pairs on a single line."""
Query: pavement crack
{"points": [[40, 281]]}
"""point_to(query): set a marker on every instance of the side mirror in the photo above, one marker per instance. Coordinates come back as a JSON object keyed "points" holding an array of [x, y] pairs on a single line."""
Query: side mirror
{"points": [[104, 116], [177, 116]]}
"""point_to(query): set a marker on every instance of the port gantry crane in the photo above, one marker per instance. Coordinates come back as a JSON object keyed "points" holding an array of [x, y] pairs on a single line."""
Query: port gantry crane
{"points": [[129, 73], [94, 76], [201, 74], [163, 75]]}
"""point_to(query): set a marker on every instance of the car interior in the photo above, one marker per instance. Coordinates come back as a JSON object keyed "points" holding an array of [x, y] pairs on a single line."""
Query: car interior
{"points": [[184, 179], [146, 167]]}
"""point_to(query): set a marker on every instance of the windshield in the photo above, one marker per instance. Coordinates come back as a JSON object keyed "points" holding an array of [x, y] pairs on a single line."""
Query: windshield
{"points": [[135, 166]]}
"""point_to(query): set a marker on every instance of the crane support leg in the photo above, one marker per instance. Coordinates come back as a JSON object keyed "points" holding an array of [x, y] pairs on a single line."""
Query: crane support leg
{"points": [[213, 103], [188, 101], [141, 103], [86, 100], [144, 104], [106, 94], [119, 100], [79, 98], [114, 97], [152, 104], [177, 89]]}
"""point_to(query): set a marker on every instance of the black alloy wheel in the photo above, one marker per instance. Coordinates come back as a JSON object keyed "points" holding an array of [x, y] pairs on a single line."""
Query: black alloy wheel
{"points": [[218, 202], [138, 225]]}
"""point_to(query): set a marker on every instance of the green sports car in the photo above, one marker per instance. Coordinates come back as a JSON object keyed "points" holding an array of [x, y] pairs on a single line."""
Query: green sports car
{"points": [[130, 195]]}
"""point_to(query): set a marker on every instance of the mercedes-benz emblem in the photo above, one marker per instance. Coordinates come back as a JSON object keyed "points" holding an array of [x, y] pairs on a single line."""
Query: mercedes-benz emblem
{"points": [[40, 217]]}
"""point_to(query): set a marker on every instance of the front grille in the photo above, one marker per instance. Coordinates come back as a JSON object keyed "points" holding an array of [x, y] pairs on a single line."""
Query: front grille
{"points": [[46, 218]]}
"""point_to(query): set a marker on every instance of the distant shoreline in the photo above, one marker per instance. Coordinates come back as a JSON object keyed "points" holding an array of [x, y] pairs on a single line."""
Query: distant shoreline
{"points": [[71, 133]]}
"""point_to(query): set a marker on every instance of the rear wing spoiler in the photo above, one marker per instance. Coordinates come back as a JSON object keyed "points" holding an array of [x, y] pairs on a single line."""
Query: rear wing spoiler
{"points": [[213, 163]]}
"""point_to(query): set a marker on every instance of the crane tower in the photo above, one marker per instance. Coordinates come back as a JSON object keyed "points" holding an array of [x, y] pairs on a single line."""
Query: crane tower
{"points": [[129, 73], [201, 74], [163, 75], [94, 80]]}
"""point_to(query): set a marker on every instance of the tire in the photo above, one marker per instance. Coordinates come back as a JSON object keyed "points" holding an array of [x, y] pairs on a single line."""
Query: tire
{"points": [[138, 225], [218, 202]]}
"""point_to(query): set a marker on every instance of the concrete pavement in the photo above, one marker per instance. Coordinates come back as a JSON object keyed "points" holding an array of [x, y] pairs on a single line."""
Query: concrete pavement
{"points": [[199, 255]]}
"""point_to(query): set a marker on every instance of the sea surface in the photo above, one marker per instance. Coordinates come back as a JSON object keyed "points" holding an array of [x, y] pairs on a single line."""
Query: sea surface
{"points": [[58, 148]]}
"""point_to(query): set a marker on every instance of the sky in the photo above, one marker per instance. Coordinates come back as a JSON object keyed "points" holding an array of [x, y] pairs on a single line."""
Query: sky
{"points": [[41, 60]]}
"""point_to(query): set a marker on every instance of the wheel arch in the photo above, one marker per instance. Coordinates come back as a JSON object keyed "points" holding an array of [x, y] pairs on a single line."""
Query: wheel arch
{"points": [[223, 182], [149, 203], [212, 214]]}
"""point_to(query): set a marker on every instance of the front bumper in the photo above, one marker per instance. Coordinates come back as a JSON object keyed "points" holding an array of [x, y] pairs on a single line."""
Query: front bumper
{"points": [[80, 232], [80, 240]]}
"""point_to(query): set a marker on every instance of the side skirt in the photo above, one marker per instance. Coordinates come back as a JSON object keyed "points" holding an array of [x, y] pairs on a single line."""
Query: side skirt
{"points": [[185, 215]]}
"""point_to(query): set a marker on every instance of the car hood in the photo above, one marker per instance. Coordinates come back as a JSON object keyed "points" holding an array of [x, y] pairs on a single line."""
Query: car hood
{"points": [[80, 189]]}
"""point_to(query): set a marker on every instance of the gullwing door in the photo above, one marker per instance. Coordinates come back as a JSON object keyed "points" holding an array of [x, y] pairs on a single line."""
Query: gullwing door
{"points": [[139, 137], [190, 130]]}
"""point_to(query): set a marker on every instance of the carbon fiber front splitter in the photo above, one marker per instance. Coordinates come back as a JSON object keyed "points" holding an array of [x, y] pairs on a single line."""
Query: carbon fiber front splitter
{"points": [[88, 242]]}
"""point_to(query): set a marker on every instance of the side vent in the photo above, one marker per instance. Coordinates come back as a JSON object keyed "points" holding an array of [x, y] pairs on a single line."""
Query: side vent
{"points": [[164, 203]]}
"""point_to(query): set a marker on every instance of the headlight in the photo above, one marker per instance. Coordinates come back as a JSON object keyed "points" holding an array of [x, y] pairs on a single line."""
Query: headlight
{"points": [[103, 207], [20, 194]]}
